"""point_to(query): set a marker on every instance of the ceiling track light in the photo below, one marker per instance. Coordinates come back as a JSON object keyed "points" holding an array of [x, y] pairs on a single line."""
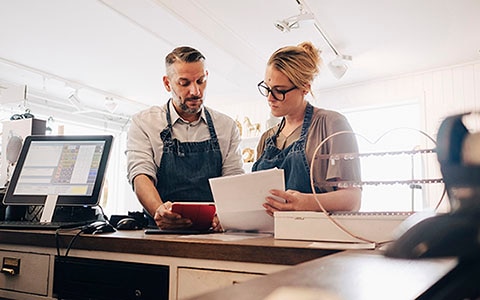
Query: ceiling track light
{"points": [[338, 66], [293, 22], [111, 104]]}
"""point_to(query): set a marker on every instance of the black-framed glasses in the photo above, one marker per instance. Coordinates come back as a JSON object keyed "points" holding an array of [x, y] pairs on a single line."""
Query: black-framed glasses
{"points": [[277, 94]]}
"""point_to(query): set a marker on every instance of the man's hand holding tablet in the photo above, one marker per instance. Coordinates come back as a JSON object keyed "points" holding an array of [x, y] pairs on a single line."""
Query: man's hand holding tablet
{"points": [[200, 214]]}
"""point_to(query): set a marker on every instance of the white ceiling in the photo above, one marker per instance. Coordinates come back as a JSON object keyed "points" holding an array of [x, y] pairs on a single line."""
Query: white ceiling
{"points": [[116, 47]]}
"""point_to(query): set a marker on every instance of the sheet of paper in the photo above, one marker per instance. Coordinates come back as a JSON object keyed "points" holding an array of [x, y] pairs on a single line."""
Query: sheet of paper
{"points": [[239, 199]]}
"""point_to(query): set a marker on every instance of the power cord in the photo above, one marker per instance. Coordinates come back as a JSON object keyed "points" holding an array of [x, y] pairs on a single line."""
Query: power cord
{"points": [[72, 241], [327, 214], [87, 228]]}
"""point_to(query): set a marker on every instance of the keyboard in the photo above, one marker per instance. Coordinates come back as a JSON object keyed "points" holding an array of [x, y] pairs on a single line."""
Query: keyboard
{"points": [[37, 225]]}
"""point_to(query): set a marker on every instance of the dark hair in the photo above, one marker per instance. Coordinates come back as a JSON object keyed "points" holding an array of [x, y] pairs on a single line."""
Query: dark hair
{"points": [[184, 54]]}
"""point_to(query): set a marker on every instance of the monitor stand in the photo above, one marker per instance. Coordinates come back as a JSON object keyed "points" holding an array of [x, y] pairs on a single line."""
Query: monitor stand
{"points": [[49, 209]]}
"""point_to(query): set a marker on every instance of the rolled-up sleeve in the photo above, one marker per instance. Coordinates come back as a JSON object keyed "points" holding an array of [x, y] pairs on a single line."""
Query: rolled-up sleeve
{"points": [[230, 145], [144, 147]]}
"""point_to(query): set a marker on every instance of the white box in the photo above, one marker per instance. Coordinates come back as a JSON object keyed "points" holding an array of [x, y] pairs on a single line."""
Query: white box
{"points": [[12, 93], [375, 227], [21, 129]]}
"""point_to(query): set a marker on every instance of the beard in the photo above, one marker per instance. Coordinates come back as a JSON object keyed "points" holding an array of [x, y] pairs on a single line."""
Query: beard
{"points": [[189, 110], [181, 103]]}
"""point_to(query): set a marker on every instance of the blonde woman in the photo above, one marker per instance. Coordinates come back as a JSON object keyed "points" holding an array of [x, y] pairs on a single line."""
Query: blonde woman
{"points": [[291, 144]]}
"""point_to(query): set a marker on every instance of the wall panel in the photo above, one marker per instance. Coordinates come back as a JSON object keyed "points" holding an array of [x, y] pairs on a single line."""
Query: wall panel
{"points": [[445, 91]]}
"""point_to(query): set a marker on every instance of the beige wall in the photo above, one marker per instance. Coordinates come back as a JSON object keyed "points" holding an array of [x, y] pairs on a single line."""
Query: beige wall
{"points": [[444, 92]]}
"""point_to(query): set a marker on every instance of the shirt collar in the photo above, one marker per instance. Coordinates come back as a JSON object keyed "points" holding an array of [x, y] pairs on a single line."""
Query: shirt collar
{"points": [[176, 117]]}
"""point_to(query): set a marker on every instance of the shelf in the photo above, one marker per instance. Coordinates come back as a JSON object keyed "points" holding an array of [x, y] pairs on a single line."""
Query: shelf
{"points": [[344, 184]]}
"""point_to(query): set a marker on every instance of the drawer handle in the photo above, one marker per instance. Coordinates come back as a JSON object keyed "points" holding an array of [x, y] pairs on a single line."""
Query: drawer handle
{"points": [[11, 266], [8, 271]]}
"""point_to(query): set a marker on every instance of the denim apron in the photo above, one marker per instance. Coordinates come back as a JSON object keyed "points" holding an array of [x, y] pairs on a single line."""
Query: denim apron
{"points": [[186, 166], [291, 159]]}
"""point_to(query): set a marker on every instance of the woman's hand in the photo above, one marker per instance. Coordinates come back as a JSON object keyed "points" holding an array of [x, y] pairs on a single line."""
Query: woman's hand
{"points": [[293, 200], [348, 199], [166, 219]]}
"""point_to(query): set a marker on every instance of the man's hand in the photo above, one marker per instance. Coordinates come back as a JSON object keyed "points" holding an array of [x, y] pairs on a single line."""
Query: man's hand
{"points": [[166, 219], [217, 227]]}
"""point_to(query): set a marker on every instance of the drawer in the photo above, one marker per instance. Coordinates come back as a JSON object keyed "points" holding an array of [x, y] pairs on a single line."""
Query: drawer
{"points": [[192, 282], [88, 278], [33, 272]]}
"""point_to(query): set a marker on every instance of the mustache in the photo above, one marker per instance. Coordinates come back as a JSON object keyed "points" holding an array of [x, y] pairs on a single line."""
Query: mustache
{"points": [[193, 98]]}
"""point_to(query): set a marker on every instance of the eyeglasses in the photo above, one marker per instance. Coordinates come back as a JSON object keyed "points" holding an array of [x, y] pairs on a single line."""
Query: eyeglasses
{"points": [[277, 94]]}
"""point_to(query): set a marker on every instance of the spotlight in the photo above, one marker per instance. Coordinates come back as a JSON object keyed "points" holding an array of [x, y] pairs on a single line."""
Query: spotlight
{"points": [[338, 66], [293, 22], [338, 70], [111, 104], [282, 26]]}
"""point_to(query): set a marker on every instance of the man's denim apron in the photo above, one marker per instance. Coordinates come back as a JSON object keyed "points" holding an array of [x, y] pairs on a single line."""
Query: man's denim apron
{"points": [[186, 167]]}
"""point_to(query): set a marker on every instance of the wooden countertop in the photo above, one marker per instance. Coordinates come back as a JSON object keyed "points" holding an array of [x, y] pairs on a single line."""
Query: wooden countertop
{"points": [[347, 275], [265, 250]]}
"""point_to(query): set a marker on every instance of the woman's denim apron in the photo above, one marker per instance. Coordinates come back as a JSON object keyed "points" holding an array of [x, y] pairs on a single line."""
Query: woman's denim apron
{"points": [[291, 159]]}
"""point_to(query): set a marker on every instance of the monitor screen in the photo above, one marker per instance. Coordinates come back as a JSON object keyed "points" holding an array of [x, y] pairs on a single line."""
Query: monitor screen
{"points": [[71, 167]]}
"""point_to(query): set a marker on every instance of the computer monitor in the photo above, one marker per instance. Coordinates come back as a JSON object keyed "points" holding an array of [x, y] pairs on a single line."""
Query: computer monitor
{"points": [[69, 168]]}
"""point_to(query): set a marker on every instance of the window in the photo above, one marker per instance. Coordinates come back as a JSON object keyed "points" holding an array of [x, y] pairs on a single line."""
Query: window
{"points": [[392, 128]]}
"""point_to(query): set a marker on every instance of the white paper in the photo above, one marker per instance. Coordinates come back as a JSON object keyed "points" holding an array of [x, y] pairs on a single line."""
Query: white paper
{"points": [[239, 199]]}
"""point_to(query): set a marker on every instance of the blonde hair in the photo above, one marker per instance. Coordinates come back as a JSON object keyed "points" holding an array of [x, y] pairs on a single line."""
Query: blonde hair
{"points": [[299, 63]]}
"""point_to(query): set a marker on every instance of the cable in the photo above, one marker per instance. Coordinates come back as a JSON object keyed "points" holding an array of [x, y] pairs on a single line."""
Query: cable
{"points": [[441, 199], [104, 216], [70, 244], [72, 241], [57, 243], [81, 229], [312, 183]]}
